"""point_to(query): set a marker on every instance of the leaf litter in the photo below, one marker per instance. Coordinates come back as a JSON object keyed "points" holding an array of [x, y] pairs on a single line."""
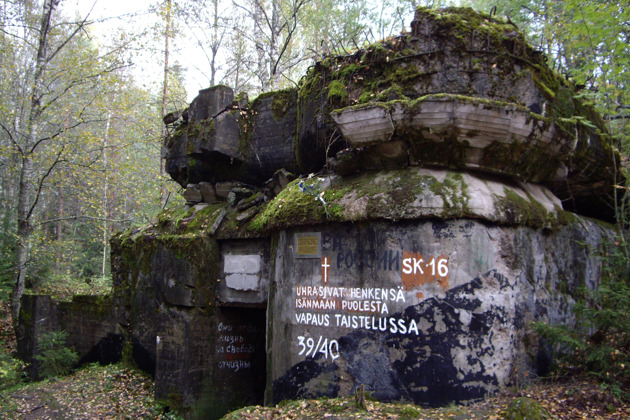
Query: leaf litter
{"points": [[116, 392]]}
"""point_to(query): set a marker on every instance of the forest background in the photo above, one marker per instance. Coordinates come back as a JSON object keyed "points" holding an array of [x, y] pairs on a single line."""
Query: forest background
{"points": [[81, 131]]}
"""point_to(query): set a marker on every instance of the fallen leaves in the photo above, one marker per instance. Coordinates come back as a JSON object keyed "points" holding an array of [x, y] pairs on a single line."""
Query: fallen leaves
{"points": [[114, 392], [110, 392], [575, 399]]}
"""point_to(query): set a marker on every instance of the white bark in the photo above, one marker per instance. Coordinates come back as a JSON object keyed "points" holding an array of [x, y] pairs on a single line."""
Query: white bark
{"points": [[25, 205]]}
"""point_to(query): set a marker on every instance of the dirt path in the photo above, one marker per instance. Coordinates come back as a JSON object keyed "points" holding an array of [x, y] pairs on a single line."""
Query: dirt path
{"points": [[110, 392]]}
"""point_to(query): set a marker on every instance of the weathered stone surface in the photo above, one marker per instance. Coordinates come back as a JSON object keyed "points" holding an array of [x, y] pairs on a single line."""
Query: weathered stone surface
{"points": [[463, 132], [460, 53], [207, 360], [38, 316], [210, 103], [89, 321], [424, 312], [153, 273], [92, 327], [217, 139], [237, 194], [192, 194], [172, 117], [210, 362], [270, 146], [415, 193], [208, 193], [278, 182], [464, 90], [251, 201], [388, 155], [365, 126], [223, 189], [226, 141]]}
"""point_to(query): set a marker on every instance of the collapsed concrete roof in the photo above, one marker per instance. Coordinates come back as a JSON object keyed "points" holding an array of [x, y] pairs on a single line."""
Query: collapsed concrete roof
{"points": [[462, 91]]}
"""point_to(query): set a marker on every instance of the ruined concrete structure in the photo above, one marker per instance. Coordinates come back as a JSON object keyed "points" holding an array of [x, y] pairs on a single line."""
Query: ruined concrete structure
{"points": [[395, 222]]}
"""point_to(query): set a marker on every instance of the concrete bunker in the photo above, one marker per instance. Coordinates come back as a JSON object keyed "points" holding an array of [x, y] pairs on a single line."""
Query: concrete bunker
{"points": [[395, 222]]}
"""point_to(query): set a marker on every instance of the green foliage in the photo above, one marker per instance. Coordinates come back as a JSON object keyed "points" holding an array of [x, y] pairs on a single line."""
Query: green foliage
{"points": [[586, 40], [55, 358], [64, 286], [11, 371], [600, 343], [163, 411], [7, 277], [91, 142]]}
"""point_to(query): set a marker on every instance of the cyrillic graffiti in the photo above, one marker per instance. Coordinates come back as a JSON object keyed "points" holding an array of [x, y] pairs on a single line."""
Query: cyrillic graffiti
{"points": [[233, 350]]}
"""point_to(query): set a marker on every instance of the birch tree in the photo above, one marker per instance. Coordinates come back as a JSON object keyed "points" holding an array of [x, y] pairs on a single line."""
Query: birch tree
{"points": [[53, 101], [275, 26]]}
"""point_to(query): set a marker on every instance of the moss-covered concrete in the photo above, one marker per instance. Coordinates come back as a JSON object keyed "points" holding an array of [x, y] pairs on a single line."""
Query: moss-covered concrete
{"points": [[403, 194], [458, 53], [411, 66]]}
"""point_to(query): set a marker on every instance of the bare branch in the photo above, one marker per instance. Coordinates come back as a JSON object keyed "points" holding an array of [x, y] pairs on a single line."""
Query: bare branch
{"points": [[100, 219], [40, 184], [79, 27], [13, 141]]}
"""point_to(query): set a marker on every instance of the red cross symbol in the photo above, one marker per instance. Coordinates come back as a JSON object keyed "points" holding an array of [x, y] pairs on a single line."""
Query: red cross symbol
{"points": [[325, 269]]}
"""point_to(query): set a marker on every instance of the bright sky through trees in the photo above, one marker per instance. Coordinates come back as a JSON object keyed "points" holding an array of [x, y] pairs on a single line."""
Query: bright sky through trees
{"points": [[110, 16]]}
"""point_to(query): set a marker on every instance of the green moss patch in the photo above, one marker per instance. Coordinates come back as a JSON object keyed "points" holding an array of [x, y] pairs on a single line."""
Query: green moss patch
{"points": [[337, 91], [291, 207], [453, 191], [184, 220], [524, 408], [519, 211], [390, 195]]}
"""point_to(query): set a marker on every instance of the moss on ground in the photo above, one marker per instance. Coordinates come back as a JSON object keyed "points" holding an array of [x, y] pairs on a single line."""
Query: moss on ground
{"points": [[524, 408]]}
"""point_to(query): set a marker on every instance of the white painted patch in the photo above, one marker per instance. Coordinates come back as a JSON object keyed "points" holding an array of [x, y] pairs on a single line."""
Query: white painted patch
{"points": [[241, 281], [242, 264]]}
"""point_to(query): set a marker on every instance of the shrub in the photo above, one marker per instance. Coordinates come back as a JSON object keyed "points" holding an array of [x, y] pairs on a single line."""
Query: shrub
{"points": [[11, 371], [599, 345], [55, 359], [525, 409]]}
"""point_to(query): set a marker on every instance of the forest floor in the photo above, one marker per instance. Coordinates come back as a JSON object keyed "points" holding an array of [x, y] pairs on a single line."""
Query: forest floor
{"points": [[114, 392], [117, 392]]}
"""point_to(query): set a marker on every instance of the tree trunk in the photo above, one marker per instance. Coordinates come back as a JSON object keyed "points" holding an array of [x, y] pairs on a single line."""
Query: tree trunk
{"points": [[215, 42], [263, 72], [167, 35], [23, 235], [105, 211], [273, 45], [59, 229], [27, 172]]}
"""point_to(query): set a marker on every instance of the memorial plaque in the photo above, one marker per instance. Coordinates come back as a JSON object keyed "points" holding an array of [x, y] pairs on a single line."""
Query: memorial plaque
{"points": [[308, 244]]}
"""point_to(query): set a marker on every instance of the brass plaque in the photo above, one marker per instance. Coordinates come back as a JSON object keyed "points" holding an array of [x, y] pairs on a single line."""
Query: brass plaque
{"points": [[308, 244]]}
